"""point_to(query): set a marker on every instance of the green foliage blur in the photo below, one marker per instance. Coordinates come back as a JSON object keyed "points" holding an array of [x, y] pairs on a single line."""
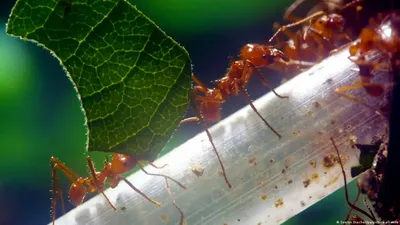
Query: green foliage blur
{"points": [[191, 17], [40, 114]]}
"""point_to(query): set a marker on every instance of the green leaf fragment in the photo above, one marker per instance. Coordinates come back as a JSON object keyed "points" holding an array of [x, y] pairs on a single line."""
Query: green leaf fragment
{"points": [[133, 80]]}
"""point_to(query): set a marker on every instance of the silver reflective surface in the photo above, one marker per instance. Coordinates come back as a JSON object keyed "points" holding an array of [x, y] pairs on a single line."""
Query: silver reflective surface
{"points": [[273, 179]]}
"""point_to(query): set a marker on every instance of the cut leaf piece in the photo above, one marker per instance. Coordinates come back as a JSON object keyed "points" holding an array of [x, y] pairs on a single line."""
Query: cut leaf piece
{"points": [[133, 80]]}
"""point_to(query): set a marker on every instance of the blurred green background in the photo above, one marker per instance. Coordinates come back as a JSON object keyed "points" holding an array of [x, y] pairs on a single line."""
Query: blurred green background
{"points": [[40, 114]]}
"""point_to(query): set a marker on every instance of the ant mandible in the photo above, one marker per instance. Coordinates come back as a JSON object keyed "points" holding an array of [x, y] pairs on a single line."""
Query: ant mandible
{"points": [[111, 172], [296, 49]]}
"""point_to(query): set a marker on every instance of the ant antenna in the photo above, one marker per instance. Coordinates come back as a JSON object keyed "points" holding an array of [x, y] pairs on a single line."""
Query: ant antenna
{"points": [[345, 184]]}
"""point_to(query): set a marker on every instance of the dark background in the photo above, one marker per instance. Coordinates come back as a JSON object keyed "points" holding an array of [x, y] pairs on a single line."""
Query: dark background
{"points": [[40, 114]]}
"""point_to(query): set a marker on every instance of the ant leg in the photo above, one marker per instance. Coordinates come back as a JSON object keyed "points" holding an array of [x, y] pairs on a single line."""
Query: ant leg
{"points": [[174, 202], [100, 189], [373, 89], [57, 190], [320, 13], [353, 98], [207, 99], [265, 83], [299, 63], [339, 48], [289, 35], [350, 4], [322, 50], [198, 82], [56, 187], [360, 61], [288, 13], [345, 184], [246, 95], [139, 192], [355, 202], [279, 41], [161, 175], [190, 119], [369, 208], [212, 143], [151, 164], [69, 173], [261, 77], [343, 36], [203, 99]]}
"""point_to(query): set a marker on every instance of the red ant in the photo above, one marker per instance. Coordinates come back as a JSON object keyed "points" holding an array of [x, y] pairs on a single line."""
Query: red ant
{"points": [[301, 45], [355, 219], [383, 39], [257, 56], [212, 99], [111, 172], [296, 49], [254, 57], [326, 30]]}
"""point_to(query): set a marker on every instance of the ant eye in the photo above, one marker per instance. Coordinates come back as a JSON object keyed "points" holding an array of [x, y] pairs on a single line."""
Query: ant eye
{"points": [[264, 56]]}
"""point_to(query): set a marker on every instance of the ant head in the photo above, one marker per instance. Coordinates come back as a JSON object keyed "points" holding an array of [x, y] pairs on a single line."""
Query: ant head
{"points": [[329, 23], [335, 22], [122, 163], [258, 55], [321, 23], [77, 192]]}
